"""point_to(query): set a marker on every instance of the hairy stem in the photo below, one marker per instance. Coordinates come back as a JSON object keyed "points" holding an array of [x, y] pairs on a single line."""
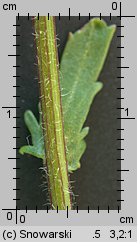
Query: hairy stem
{"points": [[51, 107]]}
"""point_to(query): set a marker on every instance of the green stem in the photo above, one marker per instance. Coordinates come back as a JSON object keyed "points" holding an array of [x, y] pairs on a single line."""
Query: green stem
{"points": [[51, 107]]}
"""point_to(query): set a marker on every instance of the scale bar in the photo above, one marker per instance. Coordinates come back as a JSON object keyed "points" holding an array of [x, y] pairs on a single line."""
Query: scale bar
{"points": [[125, 118], [122, 170], [13, 158], [8, 209], [14, 55], [10, 107], [126, 16], [122, 67]]}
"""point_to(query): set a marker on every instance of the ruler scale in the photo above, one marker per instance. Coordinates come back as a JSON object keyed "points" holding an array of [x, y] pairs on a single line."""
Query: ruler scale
{"points": [[24, 203]]}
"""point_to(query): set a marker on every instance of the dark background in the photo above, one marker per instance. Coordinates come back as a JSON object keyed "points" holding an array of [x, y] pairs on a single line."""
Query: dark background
{"points": [[95, 183]]}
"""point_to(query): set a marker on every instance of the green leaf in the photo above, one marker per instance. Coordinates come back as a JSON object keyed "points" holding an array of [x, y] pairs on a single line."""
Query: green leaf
{"points": [[81, 64], [37, 148]]}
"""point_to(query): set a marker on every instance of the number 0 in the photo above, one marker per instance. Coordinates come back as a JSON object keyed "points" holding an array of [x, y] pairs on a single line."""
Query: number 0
{"points": [[114, 6], [22, 219], [9, 216]]}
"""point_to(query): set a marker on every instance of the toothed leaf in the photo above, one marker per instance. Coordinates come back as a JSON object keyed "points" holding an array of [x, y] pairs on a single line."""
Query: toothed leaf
{"points": [[81, 63]]}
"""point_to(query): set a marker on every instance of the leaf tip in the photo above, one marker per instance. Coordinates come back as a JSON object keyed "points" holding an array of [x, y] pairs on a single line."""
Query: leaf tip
{"points": [[70, 36], [97, 23], [21, 151], [27, 114], [113, 28], [99, 86], [100, 23]]}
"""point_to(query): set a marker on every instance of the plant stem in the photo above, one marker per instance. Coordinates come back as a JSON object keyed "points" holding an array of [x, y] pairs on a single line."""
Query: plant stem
{"points": [[51, 107]]}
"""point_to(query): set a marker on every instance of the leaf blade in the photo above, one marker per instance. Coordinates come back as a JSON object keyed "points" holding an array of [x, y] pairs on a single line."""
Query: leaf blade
{"points": [[37, 147], [81, 63]]}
